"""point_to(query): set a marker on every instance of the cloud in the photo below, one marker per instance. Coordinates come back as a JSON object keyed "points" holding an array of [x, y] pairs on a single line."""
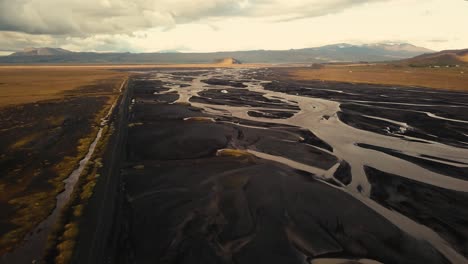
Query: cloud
{"points": [[438, 40], [84, 17], [14, 41], [221, 25], [99, 43], [89, 17]]}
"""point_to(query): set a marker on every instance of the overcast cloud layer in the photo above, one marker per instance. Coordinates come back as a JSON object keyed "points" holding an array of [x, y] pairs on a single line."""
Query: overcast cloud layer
{"points": [[204, 25], [86, 17]]}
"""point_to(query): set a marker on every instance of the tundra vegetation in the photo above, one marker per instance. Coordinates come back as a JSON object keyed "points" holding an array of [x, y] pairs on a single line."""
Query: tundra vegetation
{"points": [[49, 116]]}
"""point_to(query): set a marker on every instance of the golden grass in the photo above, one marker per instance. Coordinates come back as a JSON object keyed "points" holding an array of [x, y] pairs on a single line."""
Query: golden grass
{"points": [[19, 85], [139, 167], [63, 239], [234, 181], [65, 248], [32, 207], [233, 153], [25, 140], [464, 58], [200, 119], [37, 206], [455, 78], [55, 121], [135, 124]]}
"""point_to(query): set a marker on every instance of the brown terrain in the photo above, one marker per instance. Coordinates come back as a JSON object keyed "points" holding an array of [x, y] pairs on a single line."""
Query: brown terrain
{"points": [[228, 61], [48, 118], [19, 85], [442, 58], [452, 78]]}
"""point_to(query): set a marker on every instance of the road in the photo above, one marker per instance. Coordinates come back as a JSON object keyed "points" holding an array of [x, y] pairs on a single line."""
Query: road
{"points": [[96, 239]]}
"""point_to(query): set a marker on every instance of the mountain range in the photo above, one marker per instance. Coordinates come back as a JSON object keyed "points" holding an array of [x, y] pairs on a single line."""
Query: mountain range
{"points": [[331, 53], [42, 52]]}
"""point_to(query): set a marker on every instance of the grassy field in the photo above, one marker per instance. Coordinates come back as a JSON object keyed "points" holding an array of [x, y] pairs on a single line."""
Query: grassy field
{"points": [[19, 85], [48, 118], [455, 78]]}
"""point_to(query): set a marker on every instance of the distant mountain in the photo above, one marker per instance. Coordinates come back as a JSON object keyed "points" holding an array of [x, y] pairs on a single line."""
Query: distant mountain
{"points": [[344, 52], [442, 58], [399, 47], [41, 52], [330, 53]]}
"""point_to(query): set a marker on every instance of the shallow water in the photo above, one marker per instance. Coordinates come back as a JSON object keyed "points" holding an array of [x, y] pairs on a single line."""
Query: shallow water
{"points": [[320, 117]]}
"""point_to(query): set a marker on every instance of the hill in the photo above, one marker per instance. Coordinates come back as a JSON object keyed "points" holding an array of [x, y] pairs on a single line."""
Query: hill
{"points": [[330, 53], [228, 61], [443, 58]]}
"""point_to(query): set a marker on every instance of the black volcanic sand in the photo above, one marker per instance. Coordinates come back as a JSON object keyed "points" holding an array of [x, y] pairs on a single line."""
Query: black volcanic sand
{"points": [[422, 126], [239, 97], [442, 210], [343, 173], [147, 112], [149, 91], [225, 210], [222, 82], [271, 114], [185, 204], [442, 168]]}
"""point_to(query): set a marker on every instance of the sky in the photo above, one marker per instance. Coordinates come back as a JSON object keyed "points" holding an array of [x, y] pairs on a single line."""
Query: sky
{"points": [[226, 25]]}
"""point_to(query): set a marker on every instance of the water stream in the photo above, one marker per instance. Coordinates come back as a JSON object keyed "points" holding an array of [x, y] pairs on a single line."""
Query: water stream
{"points": [[344, 139], [34, 244]]}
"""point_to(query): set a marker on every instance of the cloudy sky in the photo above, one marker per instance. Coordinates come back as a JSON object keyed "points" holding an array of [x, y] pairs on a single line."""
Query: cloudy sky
{"points": [[216, 25]]}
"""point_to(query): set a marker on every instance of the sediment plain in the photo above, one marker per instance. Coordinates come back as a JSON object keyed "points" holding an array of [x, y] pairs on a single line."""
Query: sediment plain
{"points": [[232, 165]]}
